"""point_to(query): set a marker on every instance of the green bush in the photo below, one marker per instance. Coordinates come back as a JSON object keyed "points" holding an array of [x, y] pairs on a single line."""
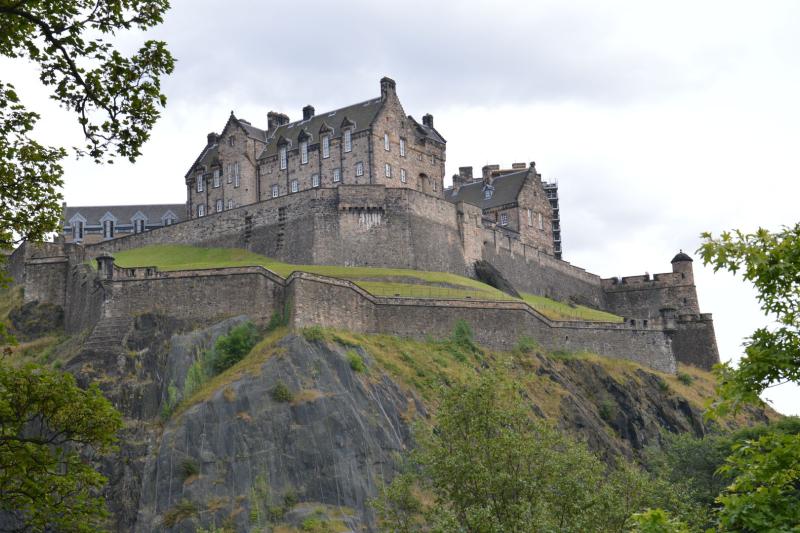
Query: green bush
{"points": [[685, 378], [189, 468], [231, 348], [356, 362], [462, 335], [607, 410], [525, 345], [281, 393], [277, 320], [313, 333]]}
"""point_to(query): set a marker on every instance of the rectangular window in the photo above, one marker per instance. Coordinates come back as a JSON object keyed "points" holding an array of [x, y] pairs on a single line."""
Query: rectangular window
{"points": [[200, 181], [315, 180], [216, 178], [77, 230], [504, 219], [236, 174], [348, 141], [283, 158], [326, 147], [541, 222], [304, 152], [435, 185], [230, 173], [220, 205], [402, 175], [138, 226], [530, 217], [337, 175], [201, 210], [294, 186], [387, 170], [230, 204], [386, 141], [433, 159], [275, 191], [402, 147], [108, 229], [359, 169]]}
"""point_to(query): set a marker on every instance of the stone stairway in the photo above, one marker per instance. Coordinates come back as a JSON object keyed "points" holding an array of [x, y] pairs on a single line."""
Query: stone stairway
{"points": [[108, 335]]}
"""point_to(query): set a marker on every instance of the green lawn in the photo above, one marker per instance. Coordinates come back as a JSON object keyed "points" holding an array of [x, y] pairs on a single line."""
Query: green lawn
{"points": [[377, 281], [555, 310]]}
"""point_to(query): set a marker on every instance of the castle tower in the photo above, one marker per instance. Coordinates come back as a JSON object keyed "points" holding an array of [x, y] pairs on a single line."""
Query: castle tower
{"points": [[682, 264]]}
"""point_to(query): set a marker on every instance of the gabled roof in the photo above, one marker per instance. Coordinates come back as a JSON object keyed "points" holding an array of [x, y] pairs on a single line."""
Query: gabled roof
{"points": [[361, 115], [123, 213], [506, 191], [210, 153], [425, 131]]}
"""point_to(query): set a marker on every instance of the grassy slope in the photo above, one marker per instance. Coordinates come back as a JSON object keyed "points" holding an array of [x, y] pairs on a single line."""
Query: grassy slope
{"points": [[378, 281]]}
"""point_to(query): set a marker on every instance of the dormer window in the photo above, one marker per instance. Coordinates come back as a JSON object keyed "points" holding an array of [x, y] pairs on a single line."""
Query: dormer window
{"points": [[138, 226], [77, 230], [283, 157], [326, 146], [348, 141], [402, 147], [108, 229], [487, 193], [303, 152], [386, 141], [200, 181]]}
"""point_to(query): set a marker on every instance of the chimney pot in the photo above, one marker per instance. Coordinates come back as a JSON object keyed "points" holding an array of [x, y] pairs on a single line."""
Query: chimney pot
{"points": [[388, 85], [308, 112], [212, 137], [428, 120], [275, 120]]}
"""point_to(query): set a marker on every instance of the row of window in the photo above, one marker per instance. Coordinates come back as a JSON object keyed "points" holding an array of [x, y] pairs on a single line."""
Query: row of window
{"points": [[220, 206], [326, 148], [504, 219], [233, 177], [109, 227]]}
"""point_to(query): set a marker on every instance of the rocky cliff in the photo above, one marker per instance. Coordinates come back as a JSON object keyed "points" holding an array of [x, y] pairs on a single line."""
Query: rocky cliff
{"points": [[297, 435]]}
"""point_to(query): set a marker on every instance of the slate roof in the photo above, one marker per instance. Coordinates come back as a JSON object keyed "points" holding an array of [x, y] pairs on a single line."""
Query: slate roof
{"points": [[124, 213], [681, 257], [361, 114], [506, 191], [210, 152], [252, 132]]}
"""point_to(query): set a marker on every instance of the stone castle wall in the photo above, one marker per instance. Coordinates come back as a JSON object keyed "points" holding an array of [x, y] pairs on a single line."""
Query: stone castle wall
{"points": [[645, 296]]}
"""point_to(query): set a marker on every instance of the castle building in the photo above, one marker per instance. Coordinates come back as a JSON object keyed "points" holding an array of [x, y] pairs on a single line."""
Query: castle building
{"points": [[90, 224], [513, 200], [367, 143]]}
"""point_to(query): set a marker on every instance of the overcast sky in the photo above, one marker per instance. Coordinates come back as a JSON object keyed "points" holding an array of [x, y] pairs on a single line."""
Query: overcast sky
{"points": [[659, 120]]}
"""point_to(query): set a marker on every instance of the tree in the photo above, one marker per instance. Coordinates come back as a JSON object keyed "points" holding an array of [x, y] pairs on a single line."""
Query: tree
{"points": [[50, 430], [765, 492], [490, 467], [116, 98]]}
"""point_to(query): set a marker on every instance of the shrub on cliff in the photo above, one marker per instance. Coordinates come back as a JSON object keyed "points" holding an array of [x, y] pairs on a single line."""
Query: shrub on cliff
{"points": [[231, 348]]}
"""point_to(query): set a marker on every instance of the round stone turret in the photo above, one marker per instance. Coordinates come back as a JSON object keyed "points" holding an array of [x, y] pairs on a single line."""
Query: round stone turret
{"points": [[682, 264]]}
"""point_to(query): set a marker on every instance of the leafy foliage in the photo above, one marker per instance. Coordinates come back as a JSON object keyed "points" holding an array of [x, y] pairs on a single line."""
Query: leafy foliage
{"points": [[771, 262], [765, 492], [281, 393], [50, 430], [356, 362], [231, 348], [490, 467], [656, 521], [117, 99]]}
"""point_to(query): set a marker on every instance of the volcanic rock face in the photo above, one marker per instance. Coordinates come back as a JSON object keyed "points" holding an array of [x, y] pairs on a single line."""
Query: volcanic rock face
{"points": [[296, 431]]}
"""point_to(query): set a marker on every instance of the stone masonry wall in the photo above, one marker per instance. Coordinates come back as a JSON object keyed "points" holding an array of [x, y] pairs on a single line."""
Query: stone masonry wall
{"points": [[499, 325], [638, 296], [197, 295], [694, 341], [532, 271]]}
